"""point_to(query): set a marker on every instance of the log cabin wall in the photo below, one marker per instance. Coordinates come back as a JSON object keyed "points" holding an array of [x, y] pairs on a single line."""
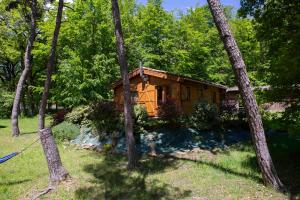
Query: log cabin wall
{"points": [[199, 92], [163, 86]]}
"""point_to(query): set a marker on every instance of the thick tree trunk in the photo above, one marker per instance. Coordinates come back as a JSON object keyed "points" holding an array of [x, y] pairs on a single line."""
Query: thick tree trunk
{"points": [[131, 150], [25, 72], [57, 172], [264, 159]]}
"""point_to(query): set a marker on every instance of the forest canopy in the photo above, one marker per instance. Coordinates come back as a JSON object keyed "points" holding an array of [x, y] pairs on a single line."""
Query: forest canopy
{"points": [[186, 43]]}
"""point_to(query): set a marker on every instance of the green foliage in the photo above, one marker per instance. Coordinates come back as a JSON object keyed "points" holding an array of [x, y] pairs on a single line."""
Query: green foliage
{"points": [[140, 117], [291, 117], [140, 114], [86, 65], [287, 121], [273, 121], [65, 131], [6, 102], [105, 119], [169, 112], [78, 115], [204, 117], [278, 28], [156, 178]]}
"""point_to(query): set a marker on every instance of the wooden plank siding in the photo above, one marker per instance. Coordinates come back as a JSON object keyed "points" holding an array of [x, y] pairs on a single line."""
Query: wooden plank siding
{"points": [[185, 92]]}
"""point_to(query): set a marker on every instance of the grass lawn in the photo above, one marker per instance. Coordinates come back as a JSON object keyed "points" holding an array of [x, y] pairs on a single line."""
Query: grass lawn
{"points": [[228, 175]]}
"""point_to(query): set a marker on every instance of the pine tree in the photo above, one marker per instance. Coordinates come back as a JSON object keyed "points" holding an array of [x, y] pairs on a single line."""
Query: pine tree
{"points": [[131, 150], [264, 159]]}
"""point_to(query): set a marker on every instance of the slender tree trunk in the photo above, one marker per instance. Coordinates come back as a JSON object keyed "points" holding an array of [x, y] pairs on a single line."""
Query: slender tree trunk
{"points": [[25, 72], [264, 159], [131, 150], [57, 172], [31, 106]]}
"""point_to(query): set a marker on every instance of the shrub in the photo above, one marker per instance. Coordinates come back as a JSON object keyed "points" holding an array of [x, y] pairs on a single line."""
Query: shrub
{"points": [[169, 112], [65, 131], [140, 116], [79, 115], [6, 102], [204, 117], [291, 117], [232, 117], [59, 117], [105, 118]]}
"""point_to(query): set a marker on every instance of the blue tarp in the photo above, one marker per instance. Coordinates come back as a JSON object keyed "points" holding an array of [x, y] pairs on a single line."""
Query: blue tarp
{"points": [[172, 140], [168, 140]]}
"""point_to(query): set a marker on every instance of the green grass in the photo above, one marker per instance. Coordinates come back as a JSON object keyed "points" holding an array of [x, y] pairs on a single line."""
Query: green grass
{"points": [[227, 175]]}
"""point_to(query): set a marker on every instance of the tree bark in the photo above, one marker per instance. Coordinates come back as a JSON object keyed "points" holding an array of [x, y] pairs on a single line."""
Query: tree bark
{"points": [[31, 105], [264, 159], [25, 72], [57, 172], [50, 66], [131, 149]]}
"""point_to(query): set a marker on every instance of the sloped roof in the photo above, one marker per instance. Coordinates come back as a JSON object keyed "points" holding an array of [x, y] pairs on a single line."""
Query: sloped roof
{"points": [[259, 88], [167, 75]]}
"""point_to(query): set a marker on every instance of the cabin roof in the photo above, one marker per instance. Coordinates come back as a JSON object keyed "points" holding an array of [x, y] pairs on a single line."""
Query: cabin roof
{"points": [[167, 75], [235, 89]]}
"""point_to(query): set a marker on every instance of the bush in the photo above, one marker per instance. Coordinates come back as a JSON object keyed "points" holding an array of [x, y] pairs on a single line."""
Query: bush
{"points": [[105, 118], [59, 117], [291, 117], [65, 132], [140, 116], [170, 112], [204, 117], [79, 115], [6, 102]]}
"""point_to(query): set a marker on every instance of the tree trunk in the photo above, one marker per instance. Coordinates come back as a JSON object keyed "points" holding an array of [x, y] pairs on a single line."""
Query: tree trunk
{"points": [[131, 150], [25, 72], [264, 159], [50, 66], [31, 106], [57, 172]]}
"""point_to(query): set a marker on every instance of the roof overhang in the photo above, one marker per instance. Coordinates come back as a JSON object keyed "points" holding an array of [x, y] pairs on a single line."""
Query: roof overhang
{"points": [[167, 75]]}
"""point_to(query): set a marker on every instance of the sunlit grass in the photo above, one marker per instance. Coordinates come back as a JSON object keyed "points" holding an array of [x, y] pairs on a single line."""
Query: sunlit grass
{"points": [[227, 175]]}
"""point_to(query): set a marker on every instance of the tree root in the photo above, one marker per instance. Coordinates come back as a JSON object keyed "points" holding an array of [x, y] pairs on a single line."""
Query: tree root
{"points": [[45, 191]]}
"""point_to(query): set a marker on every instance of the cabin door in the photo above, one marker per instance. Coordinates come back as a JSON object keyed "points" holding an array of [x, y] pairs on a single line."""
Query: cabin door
{"points": [[163, 93]]}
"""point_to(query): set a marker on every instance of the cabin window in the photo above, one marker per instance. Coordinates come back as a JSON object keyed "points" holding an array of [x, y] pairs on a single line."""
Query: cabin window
{"points": [[214, 97], [169, 92], [159, 90], [185, 93], [134, 96], [200, 93], [163, 93]]}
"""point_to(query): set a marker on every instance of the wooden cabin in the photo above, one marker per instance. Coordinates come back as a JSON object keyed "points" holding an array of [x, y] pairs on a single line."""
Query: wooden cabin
{"points": [[151, 87]]}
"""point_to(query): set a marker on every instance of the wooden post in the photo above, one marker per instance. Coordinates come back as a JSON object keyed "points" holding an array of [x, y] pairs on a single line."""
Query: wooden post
{"points": [[164, 93]]}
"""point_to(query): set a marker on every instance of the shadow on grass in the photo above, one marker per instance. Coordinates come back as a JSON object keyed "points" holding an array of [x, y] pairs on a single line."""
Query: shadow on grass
{"points": [[224, 169], [285, 152], [28, 133], [111, 180], [15, 182], [1, 126]]}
